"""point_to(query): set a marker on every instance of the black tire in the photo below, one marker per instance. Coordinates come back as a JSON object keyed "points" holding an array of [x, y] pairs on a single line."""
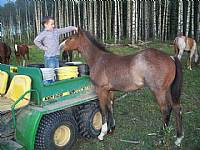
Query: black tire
{"points": [[86, 117], [60, 123]]}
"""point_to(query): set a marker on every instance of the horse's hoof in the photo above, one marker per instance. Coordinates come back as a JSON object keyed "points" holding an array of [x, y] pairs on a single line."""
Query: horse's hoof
{"points": [[112, 129], [100, 138], [178, 141]]}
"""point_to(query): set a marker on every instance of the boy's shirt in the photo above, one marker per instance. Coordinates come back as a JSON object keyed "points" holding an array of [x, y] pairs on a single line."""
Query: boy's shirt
{"points": [[49, 40]]}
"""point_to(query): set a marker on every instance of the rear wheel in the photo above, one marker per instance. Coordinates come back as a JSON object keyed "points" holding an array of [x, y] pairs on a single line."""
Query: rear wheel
{"points": [[57, 130], [89, 120]]}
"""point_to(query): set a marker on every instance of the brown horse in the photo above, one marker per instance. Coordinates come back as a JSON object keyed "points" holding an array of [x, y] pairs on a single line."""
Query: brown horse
{"points": [[21, 52], [111, 72], [5, 52], [183, 43]]}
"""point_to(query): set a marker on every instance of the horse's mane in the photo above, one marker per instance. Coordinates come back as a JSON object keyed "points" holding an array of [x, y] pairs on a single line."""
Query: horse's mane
{"points": [[95, 42]]}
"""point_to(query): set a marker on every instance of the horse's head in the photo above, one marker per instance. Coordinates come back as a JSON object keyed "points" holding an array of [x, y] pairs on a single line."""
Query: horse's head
{"points": [[72, 42]]}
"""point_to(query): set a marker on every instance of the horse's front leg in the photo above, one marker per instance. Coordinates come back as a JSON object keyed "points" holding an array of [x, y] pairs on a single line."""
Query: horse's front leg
{"points": [[180, 54], [103, 95]]}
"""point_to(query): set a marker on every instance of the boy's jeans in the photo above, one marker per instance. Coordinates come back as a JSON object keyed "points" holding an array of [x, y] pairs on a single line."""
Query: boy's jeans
{"points": [[51, 62]]}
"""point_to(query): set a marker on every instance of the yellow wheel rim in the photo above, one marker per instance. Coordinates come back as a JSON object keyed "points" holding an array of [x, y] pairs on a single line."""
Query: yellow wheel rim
{"points": [[62, 135], [97, 121]]}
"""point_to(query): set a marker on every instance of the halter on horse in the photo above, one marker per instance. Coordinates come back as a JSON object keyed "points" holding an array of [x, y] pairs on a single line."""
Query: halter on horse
{"points": [[110, 72], [5, 52], [183, 43], [21, 52]]}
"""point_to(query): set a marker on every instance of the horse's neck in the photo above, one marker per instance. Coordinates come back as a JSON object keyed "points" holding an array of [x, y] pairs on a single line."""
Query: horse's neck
{"points": [[90, 52]]}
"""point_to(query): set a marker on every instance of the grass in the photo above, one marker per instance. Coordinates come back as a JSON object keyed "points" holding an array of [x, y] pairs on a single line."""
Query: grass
{"points": [[138, 115]]}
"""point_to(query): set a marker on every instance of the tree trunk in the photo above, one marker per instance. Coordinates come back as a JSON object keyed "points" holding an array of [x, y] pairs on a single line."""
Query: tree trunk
{"points": [[79, 15], [37, 22], [102, 25], [166, 21], [90, 17], [85, 15], [109, 26], [119, 21], [196, 17], [129, 19], [95, 18], [180, 17], [133, 39], [154, 20], [115, 21], [188, 18], [27, 21], [45, 7]]}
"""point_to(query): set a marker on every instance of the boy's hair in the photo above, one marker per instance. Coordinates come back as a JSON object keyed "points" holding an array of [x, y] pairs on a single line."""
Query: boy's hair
{"points": [[46, 19]]}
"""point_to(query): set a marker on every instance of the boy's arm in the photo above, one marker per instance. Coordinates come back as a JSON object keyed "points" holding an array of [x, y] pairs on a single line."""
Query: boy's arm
{"points": [[66, 29], [38, 42]]}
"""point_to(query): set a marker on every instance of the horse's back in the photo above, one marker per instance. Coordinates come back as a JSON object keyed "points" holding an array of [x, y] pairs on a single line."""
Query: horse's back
{"points": [[156, 67], [185, 43], [127, 73]]}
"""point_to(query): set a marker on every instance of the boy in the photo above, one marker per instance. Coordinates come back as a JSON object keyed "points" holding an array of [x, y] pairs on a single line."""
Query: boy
{"points": [[48, 40]]}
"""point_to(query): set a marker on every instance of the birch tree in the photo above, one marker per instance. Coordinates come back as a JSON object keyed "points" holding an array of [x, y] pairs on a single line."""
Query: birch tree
{"points": [[95, 18], [188, 19], [134, 32], [180, 16], [102, 21], [115, 21], [129, 19]]}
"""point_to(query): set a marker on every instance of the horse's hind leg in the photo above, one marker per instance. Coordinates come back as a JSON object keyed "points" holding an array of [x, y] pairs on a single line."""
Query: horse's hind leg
{"points": [[163, 100], [103, 95], [178, 117], [111, 121]]}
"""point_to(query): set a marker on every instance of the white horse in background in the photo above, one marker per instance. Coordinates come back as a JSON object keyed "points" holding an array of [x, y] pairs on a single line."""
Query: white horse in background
{"points": [[183, 43]]}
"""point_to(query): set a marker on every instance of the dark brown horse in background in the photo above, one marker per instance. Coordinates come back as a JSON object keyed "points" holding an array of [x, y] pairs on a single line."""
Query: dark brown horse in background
{"points": [[21, 53], [5, 52], [111, 72], [66, 55]]}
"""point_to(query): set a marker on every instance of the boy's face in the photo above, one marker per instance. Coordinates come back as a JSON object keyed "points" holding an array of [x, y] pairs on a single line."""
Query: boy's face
{"points": [[49, 25]]}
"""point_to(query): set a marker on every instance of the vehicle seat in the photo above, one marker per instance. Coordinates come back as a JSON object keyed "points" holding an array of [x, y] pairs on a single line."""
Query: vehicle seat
{"points": [[3, 82], [18, 86]]}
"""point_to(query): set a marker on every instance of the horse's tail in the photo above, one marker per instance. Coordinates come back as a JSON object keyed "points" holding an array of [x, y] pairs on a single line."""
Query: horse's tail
{"points": [[177, 83]]}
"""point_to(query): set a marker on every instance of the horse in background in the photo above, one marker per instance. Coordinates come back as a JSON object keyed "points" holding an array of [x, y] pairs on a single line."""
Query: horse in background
{"points": [[110, 72], [66, 55], [183, 43], [5, 53], [21, 53]]}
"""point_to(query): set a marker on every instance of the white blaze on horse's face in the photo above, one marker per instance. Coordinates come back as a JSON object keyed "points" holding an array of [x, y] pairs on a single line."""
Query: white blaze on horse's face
{"points": [[61, 46], [16, 47]]}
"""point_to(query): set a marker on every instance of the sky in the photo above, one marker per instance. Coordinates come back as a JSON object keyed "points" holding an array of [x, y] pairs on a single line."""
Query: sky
{"points": [[2, 2]]}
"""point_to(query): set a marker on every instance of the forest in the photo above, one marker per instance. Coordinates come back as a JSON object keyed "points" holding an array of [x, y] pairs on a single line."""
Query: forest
{"points": [[111, 21]]}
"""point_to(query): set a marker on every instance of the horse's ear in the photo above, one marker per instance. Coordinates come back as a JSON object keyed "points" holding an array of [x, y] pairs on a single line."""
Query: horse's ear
{"points": [[80, 31]]}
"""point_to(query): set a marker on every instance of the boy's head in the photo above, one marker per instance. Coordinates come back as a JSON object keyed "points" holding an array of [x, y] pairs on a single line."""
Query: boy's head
{"points": [[48, 23]]}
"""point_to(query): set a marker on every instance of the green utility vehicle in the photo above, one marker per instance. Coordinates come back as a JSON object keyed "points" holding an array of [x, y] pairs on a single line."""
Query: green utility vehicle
{"points": [[45, 116]]}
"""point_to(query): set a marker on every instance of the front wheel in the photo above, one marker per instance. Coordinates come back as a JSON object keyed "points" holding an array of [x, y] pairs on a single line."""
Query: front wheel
{"points": [[57, 130], [89, 119]]}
